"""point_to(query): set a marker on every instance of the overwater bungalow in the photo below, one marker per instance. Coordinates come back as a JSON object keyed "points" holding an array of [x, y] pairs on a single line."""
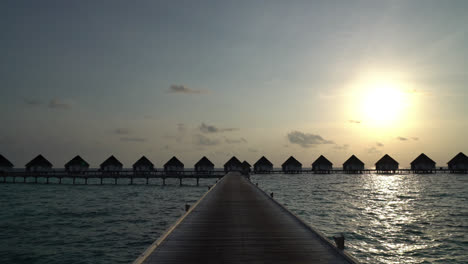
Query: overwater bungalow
{"points": [[322, 165], [459, 163], [233, 165], [386, 164], [423, 164], [5, 164], [77, 164], [174, 166], [291, 165], [111, 164], [143, 165], [353, 165], [39, 164], [204, 165], [246, 167], [263, 165]]}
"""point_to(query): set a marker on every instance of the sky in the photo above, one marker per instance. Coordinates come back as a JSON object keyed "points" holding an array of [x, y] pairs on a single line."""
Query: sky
{"points": [[224, 78]]}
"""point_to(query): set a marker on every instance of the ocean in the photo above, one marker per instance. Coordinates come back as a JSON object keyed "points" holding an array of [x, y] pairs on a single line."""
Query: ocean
{"points": [[385, 218]]}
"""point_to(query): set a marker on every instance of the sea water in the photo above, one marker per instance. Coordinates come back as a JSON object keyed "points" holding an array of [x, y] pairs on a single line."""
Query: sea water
{"points": [[385, 218]]}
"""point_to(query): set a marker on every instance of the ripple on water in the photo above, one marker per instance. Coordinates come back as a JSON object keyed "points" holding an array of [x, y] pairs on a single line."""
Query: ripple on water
{"points": [[386, 218]]}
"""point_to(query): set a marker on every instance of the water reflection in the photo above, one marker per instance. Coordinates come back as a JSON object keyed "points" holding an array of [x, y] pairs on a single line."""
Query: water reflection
{"points": [[386, 218]]}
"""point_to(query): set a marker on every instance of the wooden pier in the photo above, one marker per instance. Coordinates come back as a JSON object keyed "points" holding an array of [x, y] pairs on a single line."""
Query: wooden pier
{"points": [[236, 222], [83, 177]]}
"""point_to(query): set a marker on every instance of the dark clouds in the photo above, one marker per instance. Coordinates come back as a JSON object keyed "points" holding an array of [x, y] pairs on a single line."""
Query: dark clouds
{"points": [[54, 103], [201, 140], [121, 131], [354, 121], [32, 102], [181, 89], [307, 140], [204, 128], [341, 147], [57, 104], [373, 150], [235, 141], [406, 138]]}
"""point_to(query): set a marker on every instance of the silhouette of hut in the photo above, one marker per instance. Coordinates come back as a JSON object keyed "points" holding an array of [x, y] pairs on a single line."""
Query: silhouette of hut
{"points": [[423, 164], [386, 164], [174, 166], [353, 165], [111, 164], [77, 164], [459, 163], [322, 164], [246, 167], [39, 164], [291, 165], [204, 165], [5, 164], [233, 165], [263, 165], [143, 165]]}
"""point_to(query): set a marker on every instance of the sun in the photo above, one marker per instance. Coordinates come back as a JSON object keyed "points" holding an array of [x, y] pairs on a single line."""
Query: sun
{"points": [[383, 103]]}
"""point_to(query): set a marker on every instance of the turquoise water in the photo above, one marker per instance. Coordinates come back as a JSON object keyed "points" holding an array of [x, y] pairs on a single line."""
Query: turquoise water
{"points": [[385, 218]]}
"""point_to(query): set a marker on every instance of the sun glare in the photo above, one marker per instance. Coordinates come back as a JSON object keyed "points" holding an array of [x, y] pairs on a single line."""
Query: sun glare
{"points": [[383, 104]]}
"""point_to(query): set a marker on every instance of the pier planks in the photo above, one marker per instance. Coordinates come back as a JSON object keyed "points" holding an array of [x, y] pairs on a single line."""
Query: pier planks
{"points": [[237, 223]]}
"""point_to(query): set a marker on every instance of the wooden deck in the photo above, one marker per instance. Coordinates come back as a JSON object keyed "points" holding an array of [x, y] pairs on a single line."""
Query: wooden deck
{"points": [[235, 222]]}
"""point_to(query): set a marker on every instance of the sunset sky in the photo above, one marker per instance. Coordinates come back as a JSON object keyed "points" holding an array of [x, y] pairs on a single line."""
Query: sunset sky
{"points": [[223, 78]]}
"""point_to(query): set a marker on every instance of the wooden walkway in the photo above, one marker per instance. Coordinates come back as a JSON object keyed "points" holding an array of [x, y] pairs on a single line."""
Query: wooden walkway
{"points": [[235, 222]]}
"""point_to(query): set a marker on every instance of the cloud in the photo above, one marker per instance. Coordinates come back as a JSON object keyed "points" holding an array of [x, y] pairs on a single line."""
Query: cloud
{"points": [[341, 147], [202, 140], [415, 138], [121, 131], [204, 128], [252, 150], [373, 150], [379, 144], [354, 121], [181, 89], [56, 104], [235, 141], [402, 138], [132, 139], [32, 102], [307, 140]]}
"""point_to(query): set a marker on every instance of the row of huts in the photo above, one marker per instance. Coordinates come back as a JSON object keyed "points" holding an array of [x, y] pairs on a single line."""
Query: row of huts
{"points": [[386, 164]]}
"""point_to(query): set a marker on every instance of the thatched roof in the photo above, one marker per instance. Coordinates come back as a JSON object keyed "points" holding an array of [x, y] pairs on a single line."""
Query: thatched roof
{"points": [[322, 161], [174, 162], [39, 161], [5, 163], [77, 161], [111, 161], [143, 161], [245, 164], [291, 161], [386, 159], [353, 160], [233, 162], [205, 162], [423, 159], [459, 158], [263, 161]]}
